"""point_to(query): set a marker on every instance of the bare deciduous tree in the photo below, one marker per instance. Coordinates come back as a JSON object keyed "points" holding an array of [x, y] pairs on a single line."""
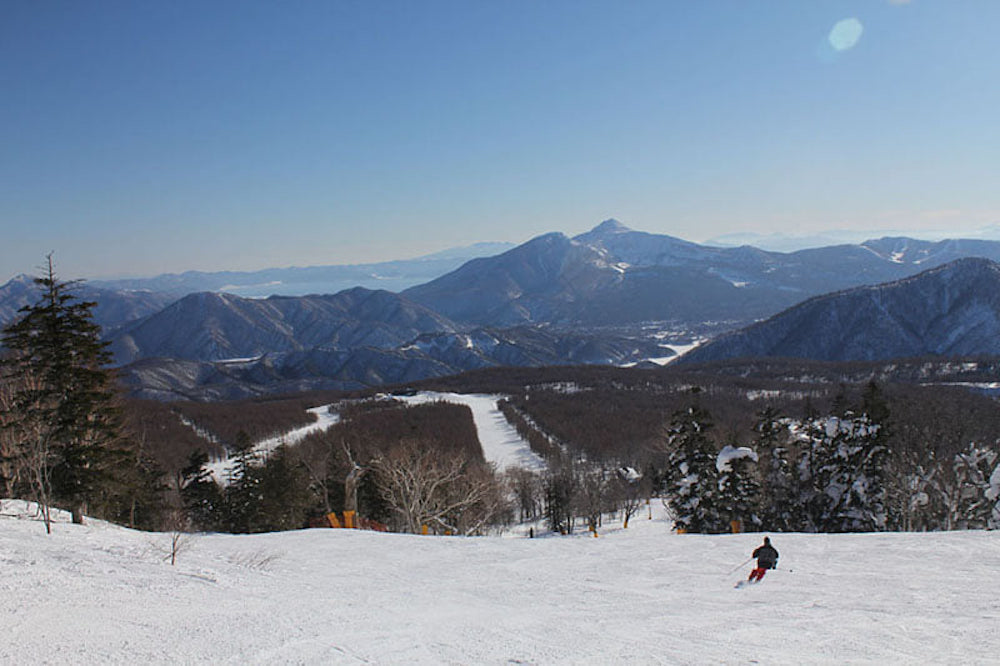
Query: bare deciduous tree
{"points": [[631, 490], [526, 488], [179, 531], [445, 494], [354, 475], [26, 441]]}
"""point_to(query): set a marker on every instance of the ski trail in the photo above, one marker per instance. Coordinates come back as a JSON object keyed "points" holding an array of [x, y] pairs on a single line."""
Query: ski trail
{"points": [[501, 443], [221, 469]]}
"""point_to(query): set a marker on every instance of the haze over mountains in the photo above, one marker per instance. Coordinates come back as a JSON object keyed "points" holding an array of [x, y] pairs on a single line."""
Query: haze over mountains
{"points": [[606, 296], [300, 281]]}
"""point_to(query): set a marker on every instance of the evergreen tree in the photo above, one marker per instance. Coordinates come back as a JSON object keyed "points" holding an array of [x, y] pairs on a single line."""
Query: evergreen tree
{"points": [[200, 494], [780, 493], [739, 489], [242, 499], [692, 487], [283, 493], [814, 469], [135, 494], [64, 407], [841, 469]]}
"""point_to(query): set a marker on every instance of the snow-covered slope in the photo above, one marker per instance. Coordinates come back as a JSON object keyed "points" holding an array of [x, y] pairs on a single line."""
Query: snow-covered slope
{"points": [[103, 594], [501, 444]]}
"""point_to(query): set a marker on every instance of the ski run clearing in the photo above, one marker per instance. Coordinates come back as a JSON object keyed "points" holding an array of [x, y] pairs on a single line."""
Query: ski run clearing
{"points": [[222, 469], [102, 594], [500, 441]]}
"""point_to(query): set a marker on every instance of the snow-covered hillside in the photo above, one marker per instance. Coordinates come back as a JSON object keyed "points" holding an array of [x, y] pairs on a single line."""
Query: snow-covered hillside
{"points": [[103, 594]]}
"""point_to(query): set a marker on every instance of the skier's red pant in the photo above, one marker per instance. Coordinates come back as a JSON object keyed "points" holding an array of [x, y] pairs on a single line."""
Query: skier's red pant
{"points": [[757, 573]]}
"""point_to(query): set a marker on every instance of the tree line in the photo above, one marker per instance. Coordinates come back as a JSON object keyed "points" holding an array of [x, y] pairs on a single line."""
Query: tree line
{"points": [[852, 466]]}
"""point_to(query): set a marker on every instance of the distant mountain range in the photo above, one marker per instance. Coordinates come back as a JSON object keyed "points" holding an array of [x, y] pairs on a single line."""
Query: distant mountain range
{"points": [[296, 281], [951, 310], [783, 242], [113, 308], [603, 296]]}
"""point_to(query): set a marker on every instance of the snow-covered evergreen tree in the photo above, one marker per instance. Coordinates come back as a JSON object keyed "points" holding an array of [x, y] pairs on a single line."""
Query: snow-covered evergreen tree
{"points": [[841, 467], [993, 494], [691, 480], [977, 485], [780, 506], [739, 489]]}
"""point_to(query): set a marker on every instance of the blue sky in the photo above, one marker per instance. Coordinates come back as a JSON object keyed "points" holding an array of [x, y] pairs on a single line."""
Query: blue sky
{"points": [[140, 138]]}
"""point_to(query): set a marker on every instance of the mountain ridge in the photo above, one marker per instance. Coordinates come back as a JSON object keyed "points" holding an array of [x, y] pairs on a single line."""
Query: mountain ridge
{"points": [[948, 310]]}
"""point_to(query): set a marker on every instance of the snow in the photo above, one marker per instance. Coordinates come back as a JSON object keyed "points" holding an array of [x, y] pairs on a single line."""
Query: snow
{"points": [[500, 441], [236, 361], [730, 453], [658, 360], [680, 350], [221, 469], [677, 349], [103, 594], [762, 394]]}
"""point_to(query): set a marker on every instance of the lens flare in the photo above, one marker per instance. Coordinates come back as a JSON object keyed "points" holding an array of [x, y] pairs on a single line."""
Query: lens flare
{"points": [[845, 34]]}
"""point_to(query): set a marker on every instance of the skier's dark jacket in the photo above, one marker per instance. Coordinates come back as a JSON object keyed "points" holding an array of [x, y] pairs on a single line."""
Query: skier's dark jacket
{"points": [[767, 556]]}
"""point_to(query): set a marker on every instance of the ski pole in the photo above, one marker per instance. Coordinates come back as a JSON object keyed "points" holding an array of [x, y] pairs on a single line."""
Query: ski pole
{"points": [[741, 564]]}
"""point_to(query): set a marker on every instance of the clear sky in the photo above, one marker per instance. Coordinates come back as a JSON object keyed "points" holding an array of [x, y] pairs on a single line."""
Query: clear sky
{"points": [[148, 137]]}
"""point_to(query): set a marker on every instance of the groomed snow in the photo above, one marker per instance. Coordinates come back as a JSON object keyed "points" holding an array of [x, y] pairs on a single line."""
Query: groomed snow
{"points": [[104, 594], [500, 441]]}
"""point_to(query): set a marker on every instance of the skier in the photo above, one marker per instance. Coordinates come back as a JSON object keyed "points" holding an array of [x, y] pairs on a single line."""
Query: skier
{"points": [[767, 558]]}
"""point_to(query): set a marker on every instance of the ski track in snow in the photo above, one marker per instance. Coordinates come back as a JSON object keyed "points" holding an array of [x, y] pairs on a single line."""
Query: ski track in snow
{"points": [[99, 593], [221, 469], [500, 441]]}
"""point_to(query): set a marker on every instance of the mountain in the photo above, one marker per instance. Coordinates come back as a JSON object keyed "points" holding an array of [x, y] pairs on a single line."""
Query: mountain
{"points": [[209, 326], [114, 307], [608, 276], [951, 310], [296, 281], [539, 281], [614, 275], [426, 356]]}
